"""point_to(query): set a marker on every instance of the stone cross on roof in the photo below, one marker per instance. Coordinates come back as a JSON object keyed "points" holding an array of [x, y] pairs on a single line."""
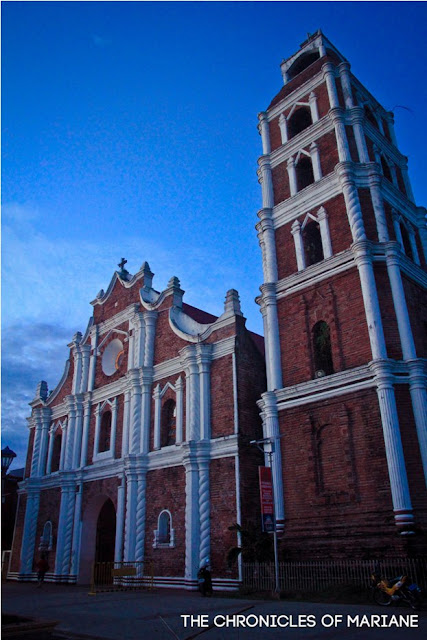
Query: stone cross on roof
{"points": [[122, 264]]}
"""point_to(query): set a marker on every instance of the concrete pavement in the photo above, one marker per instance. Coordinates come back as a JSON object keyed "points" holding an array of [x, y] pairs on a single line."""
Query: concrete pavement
{"points": [[158, 615]]}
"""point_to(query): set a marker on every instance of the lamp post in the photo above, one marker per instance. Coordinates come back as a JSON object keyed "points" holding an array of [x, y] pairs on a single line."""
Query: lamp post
{"points": [[267, 447], [7, 455]]}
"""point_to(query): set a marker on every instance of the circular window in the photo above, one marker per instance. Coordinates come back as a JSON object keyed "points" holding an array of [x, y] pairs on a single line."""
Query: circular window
{"points": [[112, 357]]}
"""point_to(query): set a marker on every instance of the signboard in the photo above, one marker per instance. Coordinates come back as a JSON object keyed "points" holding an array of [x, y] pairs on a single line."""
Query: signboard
{"points": [[267, 503]]}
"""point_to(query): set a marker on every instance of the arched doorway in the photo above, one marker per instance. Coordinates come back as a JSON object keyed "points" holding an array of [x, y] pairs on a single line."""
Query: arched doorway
{"points": [[105, 533], [97, 535]]}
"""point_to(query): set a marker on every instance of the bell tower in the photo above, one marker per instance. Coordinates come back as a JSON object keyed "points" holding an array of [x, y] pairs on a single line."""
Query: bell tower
{"points": [[345, 314]]}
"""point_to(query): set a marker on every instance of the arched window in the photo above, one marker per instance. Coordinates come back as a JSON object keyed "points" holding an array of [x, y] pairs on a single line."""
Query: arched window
{"points": [[46, 537], [299, 120], [105, 432], [406, 241], [164, 535], [168, 424], [304, 172], [386, 169], [56, 452], [370, 116], [164, 528], [312, 240], [322, 349]]}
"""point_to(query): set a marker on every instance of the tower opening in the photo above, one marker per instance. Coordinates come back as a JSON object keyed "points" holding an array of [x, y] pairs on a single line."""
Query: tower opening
{"points": [[304, 172], [313, 248], [299, 120], [322, 348], [386, 169], [304, 61], [406, 241], [56, 453]]}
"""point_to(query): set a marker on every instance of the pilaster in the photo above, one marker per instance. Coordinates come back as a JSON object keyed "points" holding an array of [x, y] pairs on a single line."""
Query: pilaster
{"points": [[272, 431]]}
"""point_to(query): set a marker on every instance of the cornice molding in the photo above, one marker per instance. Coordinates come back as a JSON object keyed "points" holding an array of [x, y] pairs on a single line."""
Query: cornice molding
{"points": [[312, 134], [315, 273]]}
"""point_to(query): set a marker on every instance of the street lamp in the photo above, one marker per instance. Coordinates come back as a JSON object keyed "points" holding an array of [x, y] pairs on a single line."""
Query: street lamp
{"points": [[267, 447], [7, 455]]}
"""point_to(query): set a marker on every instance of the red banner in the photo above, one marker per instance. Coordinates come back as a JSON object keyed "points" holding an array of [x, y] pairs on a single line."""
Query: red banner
{"points": [[267, 502]]}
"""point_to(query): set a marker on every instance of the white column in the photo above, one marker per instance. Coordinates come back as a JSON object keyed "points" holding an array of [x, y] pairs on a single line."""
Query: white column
{"points": [[344, 69], [75, 553], [266, 228], [78, 433], [290, 166], [64, 434], [363, 260], [299, 245], [86, 429], [271, 430], [417, 377], [50, 451], [192, 519], [193, 386], [266, 182], [265, 132], [30, 528], [274, 380], [45, 418], [337, 116], [157, 416], [329, 76], [120, 522], [150, 318], [393, 172], [113, 427], [322, 218], [97, 429], [358, 116], [130, 522], [65, 529], [126, 416], [140, 515], [204, 356], [390, 121], [147, 382], [135, 411], [352, 203], [283, 124], [204, 505], [92, 361], [417, 388], [69, 447], [77, 377], [414, 247], [396, 225], [179, 410], [37, 422], [315, 161], [139, 345], [393, 445], [85, 349], [312, 99], [131, 345], [406, 180], [378, 205]]}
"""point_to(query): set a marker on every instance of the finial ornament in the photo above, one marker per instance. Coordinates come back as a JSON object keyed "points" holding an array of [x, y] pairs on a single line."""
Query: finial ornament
{"points": [[122, 264]]}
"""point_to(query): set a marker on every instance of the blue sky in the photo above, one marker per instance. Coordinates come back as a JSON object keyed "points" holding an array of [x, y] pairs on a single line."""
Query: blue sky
{"points": [[129, 129]]}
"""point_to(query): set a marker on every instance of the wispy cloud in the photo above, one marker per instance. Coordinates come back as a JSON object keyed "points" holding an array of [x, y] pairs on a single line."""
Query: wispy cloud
{"points": [[100, 41]]}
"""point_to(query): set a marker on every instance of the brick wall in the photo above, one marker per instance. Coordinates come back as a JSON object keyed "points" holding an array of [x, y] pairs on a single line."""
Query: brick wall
{"points": [[50, 502], [336, 481], [368, 214], [222, 412], [337, 302], [223, 514], [417, 308], [166, 490], [388, 314]]}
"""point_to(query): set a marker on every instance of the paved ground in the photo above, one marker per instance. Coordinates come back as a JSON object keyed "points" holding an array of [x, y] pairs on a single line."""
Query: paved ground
{"points": [[157, 615]]}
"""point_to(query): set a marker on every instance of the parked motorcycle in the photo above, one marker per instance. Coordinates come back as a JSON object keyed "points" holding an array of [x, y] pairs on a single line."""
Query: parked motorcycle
{"points": [[400, 589]]}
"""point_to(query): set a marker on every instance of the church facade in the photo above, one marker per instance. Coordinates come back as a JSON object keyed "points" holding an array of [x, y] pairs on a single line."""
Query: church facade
{"points": [[143, 451], [135, 456]]}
